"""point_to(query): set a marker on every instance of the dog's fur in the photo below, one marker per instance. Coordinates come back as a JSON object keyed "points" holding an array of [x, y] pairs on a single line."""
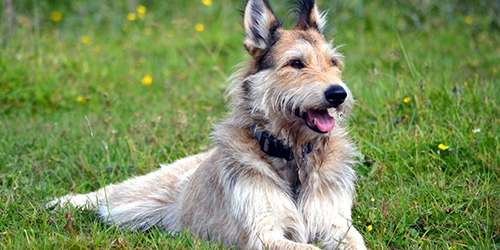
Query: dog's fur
{"points": [[238, 195]]}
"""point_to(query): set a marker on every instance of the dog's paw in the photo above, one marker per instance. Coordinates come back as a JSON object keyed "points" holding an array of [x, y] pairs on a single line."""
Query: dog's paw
{"points": [[70, 199], [51, 204], [356, 246], [311, 247], [59, 202]]}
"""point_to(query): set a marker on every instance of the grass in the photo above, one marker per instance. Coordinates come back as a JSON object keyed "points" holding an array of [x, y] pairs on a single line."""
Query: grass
{"points": [[75, 116]]}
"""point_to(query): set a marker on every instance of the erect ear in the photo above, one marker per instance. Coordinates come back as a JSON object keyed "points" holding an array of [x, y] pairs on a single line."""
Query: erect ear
{"points": [[260, 23], [309, 16]]}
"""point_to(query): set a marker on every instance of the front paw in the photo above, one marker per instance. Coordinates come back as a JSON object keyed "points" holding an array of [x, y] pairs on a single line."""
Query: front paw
{"points": [[357, 244]]}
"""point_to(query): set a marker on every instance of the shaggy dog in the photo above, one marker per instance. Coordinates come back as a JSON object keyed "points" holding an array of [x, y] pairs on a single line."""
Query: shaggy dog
{"points": [[279, 175]]}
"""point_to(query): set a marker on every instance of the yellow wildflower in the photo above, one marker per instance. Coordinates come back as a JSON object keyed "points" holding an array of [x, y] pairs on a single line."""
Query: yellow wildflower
{"points": [[131, 17], [369, 228], [372, 199], [495, 71], [81, 99], [468, 20], [147, 80], [199, 27], [443, 147], [86, 40], [407, 99], [206, 2], [56, 16], [141, 9]]}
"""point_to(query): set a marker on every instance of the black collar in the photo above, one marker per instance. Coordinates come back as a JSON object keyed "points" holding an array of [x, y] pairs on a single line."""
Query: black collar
{"points": [[276, 148]]}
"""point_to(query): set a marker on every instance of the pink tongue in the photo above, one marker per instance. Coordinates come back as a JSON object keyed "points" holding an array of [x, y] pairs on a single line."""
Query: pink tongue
{"points": [[324, 122]]}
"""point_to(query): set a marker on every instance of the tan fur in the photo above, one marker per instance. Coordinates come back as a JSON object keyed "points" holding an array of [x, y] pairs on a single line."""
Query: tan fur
{"points": [[236, 194]]}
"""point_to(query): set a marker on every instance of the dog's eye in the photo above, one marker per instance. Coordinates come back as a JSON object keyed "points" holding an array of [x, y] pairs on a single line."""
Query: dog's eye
{"points": [[334, 62], [296, 63]]}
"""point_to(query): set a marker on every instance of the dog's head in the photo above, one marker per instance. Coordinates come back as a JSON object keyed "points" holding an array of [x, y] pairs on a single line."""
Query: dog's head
{"points": [[294, 83]]}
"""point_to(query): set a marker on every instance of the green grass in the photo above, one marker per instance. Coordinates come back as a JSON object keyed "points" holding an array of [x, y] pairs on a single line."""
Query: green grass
{"points": [[423, 196]]}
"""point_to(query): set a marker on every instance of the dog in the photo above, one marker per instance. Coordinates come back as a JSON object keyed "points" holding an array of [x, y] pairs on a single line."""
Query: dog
{"points": [[280, 174]]}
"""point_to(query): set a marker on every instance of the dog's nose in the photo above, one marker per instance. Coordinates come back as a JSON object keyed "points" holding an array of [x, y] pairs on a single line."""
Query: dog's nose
{"points": [[335, 95]]}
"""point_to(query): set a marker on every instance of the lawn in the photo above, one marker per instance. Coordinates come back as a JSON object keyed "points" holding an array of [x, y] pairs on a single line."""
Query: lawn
{"points": [[94, 92]]}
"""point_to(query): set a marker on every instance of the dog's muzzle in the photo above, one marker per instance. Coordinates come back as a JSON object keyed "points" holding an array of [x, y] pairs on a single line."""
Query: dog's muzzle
{"points": [[321, 120]]}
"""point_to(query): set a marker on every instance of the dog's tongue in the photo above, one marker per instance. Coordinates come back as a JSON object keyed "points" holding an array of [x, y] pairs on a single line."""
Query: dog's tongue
{"points": [[324, 122]]}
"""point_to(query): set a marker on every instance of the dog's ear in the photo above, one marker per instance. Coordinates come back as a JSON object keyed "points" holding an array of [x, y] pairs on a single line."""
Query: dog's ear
{"points": [[260, 23], [309, 16]]}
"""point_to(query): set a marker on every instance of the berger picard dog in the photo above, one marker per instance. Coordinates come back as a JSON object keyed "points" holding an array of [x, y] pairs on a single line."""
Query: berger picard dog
{"points": [[279, 176]]}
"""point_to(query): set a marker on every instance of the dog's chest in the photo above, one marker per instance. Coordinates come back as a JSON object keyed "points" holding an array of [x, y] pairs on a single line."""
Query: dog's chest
{"points": [[289, 172]]}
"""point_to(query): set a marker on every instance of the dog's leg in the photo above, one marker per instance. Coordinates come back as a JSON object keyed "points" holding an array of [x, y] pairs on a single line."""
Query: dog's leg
{"points": [[271, 234], [85, 201], [152, 199], [343, 236], [354, 240], [284, 244], [328, 213], [274, 237], [143, 201]]}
